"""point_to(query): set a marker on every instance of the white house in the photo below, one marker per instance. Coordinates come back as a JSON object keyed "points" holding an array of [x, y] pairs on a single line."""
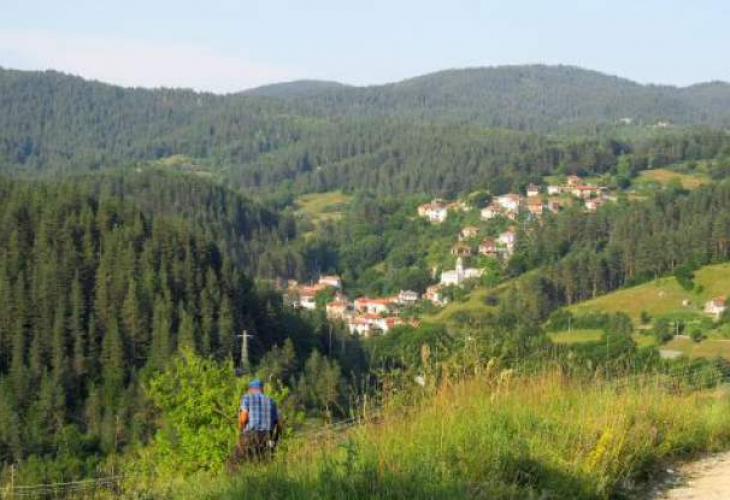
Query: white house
{"points": [[533, 190], [362, 325], [331, 281], [584, 191], [407, 297], [468, 232], [307, 299], [594, 204], [337, 309], [716, 307], [554, 190], [510, 202], [372, 306], [367, 325], [488, 247], [573, 180], [508, 239], [436, 211], [554, 206], [491, 211], [434, 294], [438, 215], [458, 276]]}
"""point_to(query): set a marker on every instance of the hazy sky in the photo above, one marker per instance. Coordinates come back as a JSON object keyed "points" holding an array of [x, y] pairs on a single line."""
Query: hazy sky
{"points": [[228, 45]]}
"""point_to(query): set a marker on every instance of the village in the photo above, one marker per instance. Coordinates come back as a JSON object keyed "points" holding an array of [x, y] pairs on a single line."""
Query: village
{"points": [[369, 316]]}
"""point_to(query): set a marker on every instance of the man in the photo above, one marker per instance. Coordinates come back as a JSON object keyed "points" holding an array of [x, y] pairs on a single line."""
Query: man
{"points": [[258, 422]]}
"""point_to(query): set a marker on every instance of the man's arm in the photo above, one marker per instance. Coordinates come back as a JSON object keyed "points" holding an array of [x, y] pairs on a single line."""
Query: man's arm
{"points": [[275, 417], [243, 413], [242, 418]]}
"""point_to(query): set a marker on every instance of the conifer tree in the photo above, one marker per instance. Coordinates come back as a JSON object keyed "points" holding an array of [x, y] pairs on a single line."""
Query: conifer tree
{"points": [[161, 332], [113, 365], [187, 331]]}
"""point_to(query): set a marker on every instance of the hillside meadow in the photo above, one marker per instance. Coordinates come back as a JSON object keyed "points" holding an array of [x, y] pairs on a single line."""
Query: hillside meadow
{"points": [[662, 296], [478, 439], [663, 176]]}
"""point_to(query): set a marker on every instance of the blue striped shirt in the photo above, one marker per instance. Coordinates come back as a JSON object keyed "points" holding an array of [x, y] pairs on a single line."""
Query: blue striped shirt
{"points": [[262, 414]]}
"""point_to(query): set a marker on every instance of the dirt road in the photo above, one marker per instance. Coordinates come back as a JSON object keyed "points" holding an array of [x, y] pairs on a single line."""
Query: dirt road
{"points": [[706, 479]]}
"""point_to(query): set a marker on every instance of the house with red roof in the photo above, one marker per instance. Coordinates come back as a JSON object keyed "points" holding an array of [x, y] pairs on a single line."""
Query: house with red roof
{"points": [[338, 309], [716, 307], [532, 190], [573, 180], [468, 232], [367, 305]]}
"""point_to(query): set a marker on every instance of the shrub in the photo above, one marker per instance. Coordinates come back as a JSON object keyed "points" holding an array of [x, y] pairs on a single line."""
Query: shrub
{"points": [[662, 330], [491, 300], [698, 336], [645, 318], [196, 400], [685, 276]]}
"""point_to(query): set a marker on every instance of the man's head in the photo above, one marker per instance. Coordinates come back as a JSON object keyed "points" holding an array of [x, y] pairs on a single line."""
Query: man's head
{"points": [[255, 386]]}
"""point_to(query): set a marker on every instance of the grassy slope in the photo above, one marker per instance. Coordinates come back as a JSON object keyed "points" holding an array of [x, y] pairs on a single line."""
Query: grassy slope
{"points": [[480, 440], [663, 296], [475, 303], [323, 207], [576, 336], [587, 335], [663, 176], [705, 349]]}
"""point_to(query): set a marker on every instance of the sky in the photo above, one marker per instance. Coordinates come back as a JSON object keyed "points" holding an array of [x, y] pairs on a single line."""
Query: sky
{"points": [[231, 45]]}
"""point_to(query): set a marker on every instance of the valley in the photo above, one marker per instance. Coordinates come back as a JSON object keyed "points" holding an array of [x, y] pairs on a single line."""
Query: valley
{"points": [[384, 260]]}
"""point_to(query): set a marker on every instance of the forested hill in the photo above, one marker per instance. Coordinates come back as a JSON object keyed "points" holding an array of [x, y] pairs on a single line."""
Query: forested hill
{"points": [[257, 239], [298, 88], [535, 97], [94, 293], [441, 134]]}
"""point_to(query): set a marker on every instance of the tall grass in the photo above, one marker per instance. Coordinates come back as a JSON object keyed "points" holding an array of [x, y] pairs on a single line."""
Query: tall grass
{"points": [[542, 437]]}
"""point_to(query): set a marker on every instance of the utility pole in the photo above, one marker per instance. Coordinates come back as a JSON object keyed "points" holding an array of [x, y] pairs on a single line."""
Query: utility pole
{"points": [[12, 481], [245, 363]]}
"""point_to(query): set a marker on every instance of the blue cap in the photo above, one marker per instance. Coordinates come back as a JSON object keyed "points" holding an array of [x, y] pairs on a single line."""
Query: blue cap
{"points": [[256, 384]]}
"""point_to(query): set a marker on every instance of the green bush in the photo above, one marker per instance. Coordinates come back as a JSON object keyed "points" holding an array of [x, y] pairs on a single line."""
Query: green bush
{"points": [[196, 400]]}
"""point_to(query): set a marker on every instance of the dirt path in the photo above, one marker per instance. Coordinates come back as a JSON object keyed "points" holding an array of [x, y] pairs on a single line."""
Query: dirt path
{"points": [[706, 479]]}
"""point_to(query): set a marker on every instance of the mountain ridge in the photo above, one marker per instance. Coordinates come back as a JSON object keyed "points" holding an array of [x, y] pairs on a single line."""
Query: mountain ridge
{"points": [[314, 83], [52, 122]]}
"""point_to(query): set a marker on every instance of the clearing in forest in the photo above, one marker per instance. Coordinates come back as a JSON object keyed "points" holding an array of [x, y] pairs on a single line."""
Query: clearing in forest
{"points": [[323, 207]]}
